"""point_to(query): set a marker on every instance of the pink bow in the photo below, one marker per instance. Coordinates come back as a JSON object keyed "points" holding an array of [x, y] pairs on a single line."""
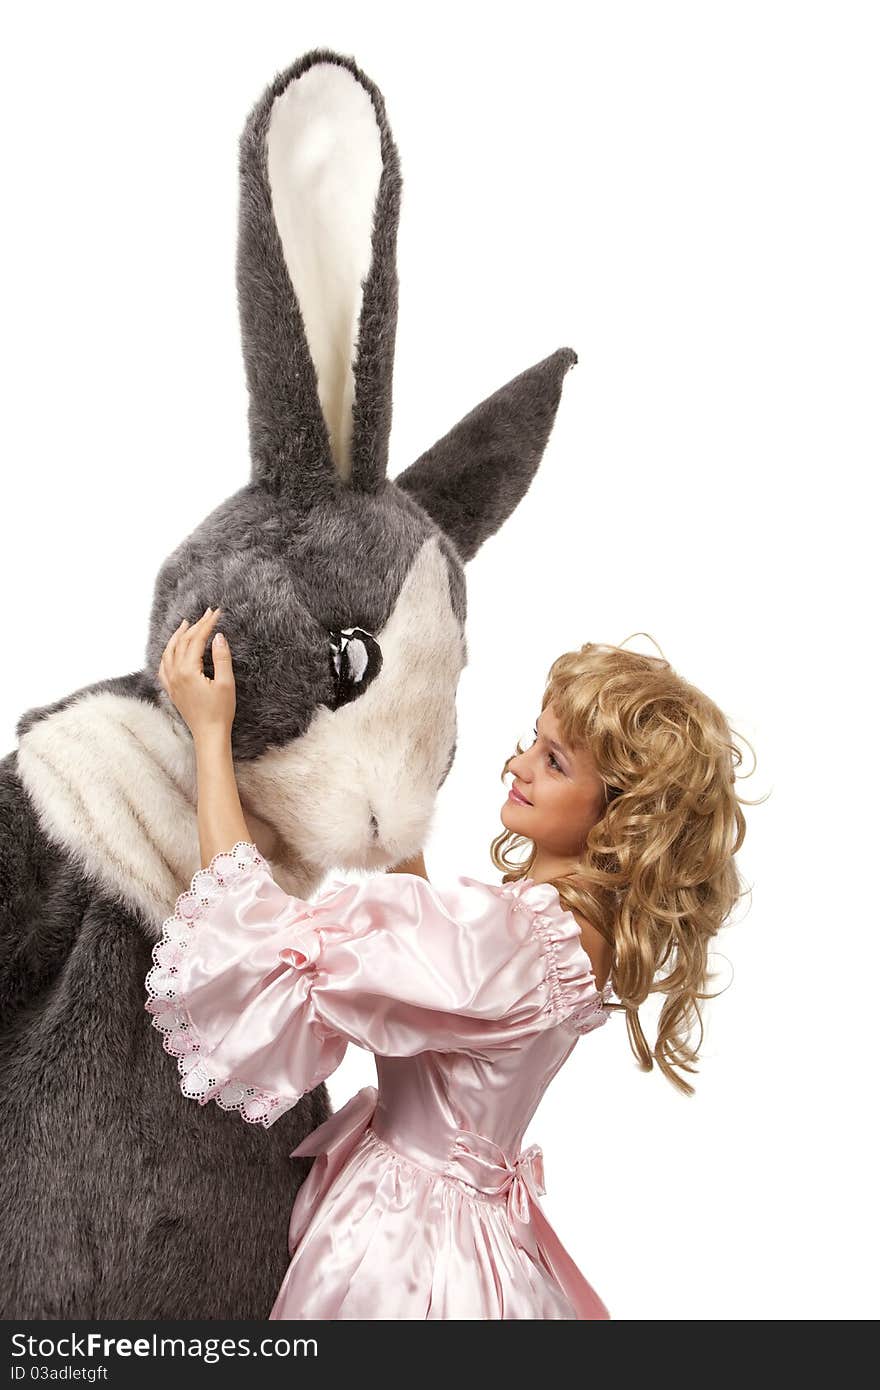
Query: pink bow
{"points": [[525, 1180], [331, 1144], [483, 1164]]}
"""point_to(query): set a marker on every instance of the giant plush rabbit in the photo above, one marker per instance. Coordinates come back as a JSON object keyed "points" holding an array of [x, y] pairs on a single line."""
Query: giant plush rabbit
{"points": [[343, 598]]}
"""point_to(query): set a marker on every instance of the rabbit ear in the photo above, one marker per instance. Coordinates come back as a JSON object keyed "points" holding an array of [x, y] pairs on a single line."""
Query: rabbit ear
{"points": [[317, 279], [470, 481]]}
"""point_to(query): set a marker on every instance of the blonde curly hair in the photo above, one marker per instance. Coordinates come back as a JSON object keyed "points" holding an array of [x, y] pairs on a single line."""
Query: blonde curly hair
{"points": [[657, 876]]}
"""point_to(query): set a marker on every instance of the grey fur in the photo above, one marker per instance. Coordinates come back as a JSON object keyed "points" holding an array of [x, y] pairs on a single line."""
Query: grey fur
{"points": [[120, 1198]]}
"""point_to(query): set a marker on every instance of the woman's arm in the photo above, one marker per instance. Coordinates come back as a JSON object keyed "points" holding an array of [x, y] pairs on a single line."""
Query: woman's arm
{"points": [[208, 706], [221, 819]]}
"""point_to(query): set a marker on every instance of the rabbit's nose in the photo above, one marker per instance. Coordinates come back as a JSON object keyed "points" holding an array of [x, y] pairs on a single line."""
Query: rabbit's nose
{"points": [[374, 826]]}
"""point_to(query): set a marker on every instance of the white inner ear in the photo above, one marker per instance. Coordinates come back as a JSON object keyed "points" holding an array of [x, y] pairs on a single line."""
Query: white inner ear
{"points": [[324, 163]]}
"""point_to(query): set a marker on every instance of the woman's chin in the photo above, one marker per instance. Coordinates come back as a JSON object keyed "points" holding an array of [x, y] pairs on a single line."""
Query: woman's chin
{"points": [[511, 817]]}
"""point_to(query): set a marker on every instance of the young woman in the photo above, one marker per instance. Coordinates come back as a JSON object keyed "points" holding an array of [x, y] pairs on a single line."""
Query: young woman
{"points": [[420, 1203]]}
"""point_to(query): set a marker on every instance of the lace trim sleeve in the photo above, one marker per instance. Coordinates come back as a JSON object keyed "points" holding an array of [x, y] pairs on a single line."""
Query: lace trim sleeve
{"points": [[169, 1014]]}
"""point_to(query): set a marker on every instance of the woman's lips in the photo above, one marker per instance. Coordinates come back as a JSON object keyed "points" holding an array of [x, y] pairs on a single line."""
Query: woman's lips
{"points": [[513, 795]]}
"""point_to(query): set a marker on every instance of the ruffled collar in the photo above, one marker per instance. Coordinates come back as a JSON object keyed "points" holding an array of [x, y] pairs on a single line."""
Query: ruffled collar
{"points": [[543, 900]]}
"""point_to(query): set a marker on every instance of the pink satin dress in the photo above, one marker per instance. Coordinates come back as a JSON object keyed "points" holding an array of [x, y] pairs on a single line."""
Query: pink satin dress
{"points": [[420, 1202]]}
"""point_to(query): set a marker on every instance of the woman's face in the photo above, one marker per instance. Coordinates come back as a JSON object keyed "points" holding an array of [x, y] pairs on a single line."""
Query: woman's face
{"points": [[556, 794]]}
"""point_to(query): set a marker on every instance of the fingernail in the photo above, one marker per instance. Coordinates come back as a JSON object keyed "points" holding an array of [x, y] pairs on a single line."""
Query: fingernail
{"points": [[220, 639]]}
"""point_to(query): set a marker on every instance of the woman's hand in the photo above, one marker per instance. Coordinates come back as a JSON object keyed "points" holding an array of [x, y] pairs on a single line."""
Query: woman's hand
{"points": [[208, 706], [414, 865]]}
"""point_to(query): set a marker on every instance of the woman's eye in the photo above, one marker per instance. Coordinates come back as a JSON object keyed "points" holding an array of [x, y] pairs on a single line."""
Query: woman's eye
{"points": [[530, 742]]}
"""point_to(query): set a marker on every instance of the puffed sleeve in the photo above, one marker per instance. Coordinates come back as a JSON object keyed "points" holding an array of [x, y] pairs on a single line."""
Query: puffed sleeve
{"points": [[258, 993]]}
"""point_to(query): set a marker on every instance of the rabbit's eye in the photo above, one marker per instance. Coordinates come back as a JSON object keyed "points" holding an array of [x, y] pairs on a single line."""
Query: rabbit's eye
{"points": [[355, 658]]}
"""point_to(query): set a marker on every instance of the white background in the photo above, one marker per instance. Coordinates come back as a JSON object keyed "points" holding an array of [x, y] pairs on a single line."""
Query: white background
{"points": [[687, 195]]}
